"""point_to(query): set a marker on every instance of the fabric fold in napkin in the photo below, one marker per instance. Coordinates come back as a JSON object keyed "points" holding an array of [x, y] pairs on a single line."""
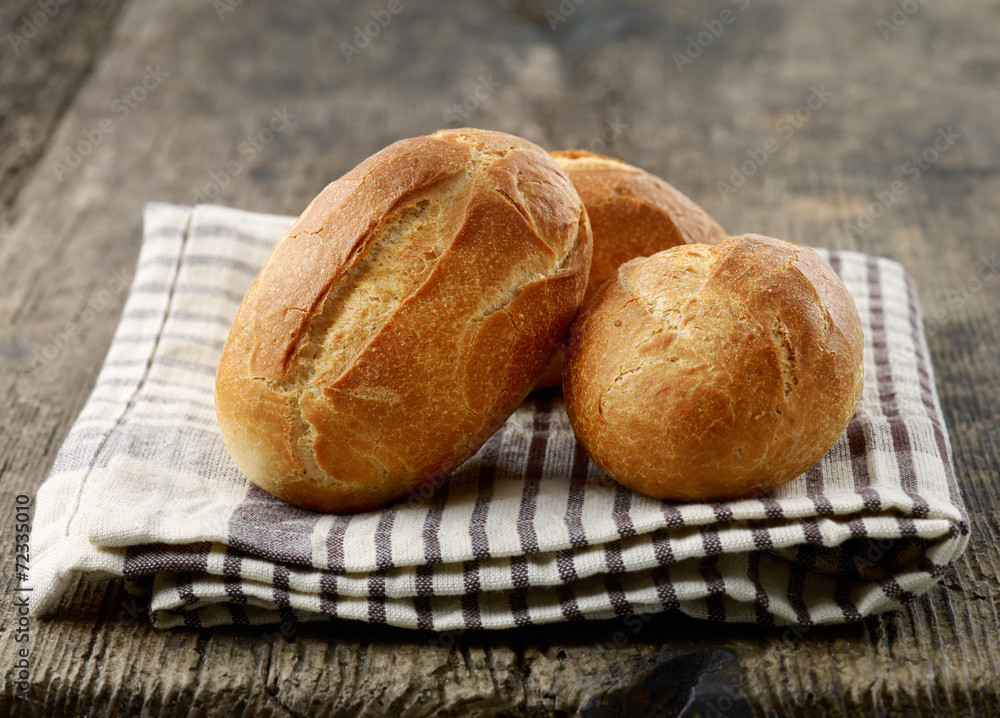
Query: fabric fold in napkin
{"points": [[528, 531]]}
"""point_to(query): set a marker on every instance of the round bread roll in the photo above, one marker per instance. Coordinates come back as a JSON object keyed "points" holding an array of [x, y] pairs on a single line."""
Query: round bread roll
{"points": [[632, 214], [706, 373], [402, 318]]}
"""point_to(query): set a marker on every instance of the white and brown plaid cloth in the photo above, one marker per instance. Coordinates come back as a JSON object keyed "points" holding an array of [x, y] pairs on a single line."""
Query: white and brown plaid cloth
{"points": [[528, 531]]}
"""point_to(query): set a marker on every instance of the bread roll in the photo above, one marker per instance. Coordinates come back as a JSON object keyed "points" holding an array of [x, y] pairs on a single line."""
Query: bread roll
{"points": [[402, 319], [706, 373], [632, 214]]}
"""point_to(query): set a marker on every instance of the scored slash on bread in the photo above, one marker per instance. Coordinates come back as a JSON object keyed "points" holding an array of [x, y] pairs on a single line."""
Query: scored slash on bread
{"points": [[419, 297], [402, 318]]}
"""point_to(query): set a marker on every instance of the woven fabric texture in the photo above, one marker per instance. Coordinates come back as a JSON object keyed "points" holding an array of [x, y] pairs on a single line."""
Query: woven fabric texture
{"points": [[528, 531]]}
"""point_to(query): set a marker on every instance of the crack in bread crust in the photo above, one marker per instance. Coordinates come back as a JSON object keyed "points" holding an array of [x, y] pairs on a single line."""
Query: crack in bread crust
{"points": [[734, 368], [402, 283]]}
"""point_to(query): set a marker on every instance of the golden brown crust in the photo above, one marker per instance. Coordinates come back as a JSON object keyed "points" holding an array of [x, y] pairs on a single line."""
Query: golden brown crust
{"points": [[632, 214], [402, 319], [708, 373]]}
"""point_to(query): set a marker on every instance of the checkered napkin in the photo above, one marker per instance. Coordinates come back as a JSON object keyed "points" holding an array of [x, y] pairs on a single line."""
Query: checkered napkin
{"points": [[528, 531]]}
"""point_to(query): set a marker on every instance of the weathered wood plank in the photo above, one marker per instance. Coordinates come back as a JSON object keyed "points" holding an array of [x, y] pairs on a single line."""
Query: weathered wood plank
{"points": [[560, 80], [45, 54]]}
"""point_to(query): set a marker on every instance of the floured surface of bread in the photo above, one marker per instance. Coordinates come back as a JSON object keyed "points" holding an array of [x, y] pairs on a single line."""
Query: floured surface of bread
{"points": [[707, 373], [402, 318]]}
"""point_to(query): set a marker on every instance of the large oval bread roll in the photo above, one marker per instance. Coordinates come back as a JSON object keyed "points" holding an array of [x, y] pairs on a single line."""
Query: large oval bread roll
{"points": [[402, 319], [632, 214], [709, 373]]}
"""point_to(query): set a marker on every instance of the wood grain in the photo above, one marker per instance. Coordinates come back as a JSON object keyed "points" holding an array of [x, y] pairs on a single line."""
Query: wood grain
{"points": [[602, 67]]}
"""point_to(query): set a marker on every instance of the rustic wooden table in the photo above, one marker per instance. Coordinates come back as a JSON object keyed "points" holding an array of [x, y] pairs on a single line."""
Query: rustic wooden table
{"points": [[843, 124]]}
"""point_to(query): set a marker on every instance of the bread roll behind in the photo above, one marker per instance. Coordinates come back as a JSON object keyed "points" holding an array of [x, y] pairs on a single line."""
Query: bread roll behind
{"points": [[709, 373], [402, 318], [632, 214]]}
